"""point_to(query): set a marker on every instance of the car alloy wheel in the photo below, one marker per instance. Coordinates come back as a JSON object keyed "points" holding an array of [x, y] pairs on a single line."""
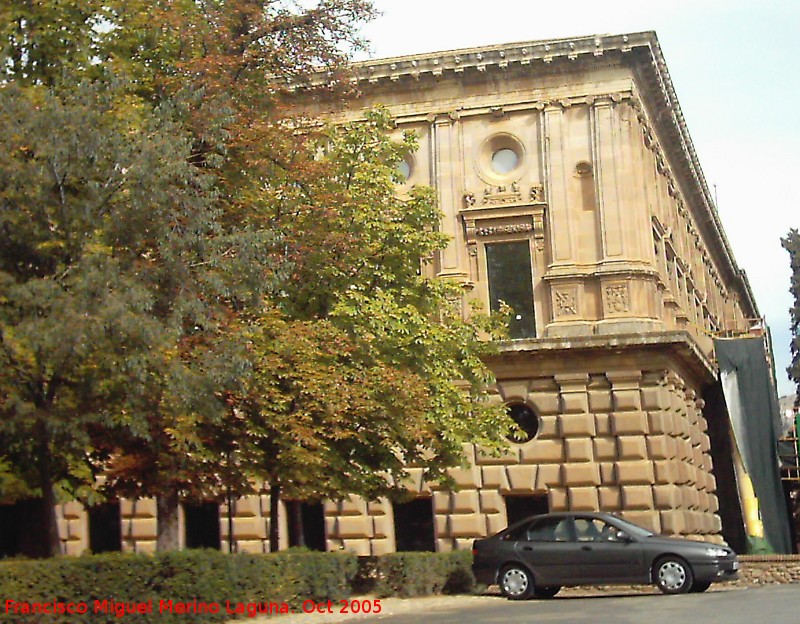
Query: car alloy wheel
{"points": [[673, 575], [516, 583]]}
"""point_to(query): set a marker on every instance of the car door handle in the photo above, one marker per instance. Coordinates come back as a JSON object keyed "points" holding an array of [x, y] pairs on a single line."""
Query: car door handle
{"points": [[586, 547], [527, 548]]}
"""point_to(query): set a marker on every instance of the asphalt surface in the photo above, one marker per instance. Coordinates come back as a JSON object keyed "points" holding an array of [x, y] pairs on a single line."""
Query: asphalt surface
{"points": [[774, 603]]}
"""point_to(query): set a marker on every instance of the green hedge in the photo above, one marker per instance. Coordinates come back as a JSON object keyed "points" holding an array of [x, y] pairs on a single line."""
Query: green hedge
{"points": [[198, 577], [420, 574], [194, 576]]}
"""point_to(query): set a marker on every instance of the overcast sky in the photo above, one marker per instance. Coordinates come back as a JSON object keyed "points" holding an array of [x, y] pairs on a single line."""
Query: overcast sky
{"points": [[734, 67]]}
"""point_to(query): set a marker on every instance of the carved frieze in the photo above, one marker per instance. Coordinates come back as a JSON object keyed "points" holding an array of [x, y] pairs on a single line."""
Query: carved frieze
{"points": [[565, 301], [617, 298]]}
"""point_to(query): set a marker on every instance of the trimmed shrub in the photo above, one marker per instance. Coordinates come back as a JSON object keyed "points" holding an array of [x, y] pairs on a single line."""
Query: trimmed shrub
{"points": [[172, 587], [421, 574]]}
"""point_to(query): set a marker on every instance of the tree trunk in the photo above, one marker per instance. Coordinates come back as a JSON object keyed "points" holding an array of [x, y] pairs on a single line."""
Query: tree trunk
{"points": [[167, 533], [51, 544], [274, 520], [296, 533]]}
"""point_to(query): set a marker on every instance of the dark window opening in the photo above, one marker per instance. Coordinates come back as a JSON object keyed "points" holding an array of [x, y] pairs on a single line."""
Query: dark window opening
{"points": [[306, 525], [526, 419], [413, 526], [201, 522], [10, 528], [105, 534], [510, 281], [521, 507]]}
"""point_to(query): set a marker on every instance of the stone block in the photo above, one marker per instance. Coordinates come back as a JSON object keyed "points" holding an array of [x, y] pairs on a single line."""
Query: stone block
{"points": [[629, 423], [461, 543], [631, 447], [441, 525], [465, 501], [382, 547], [584, 473], [78, 529], [635, 472], [610, 498], [666, 471], [73, 548], [495, 478], [546, 403], [637, 497], [353, 527], [673, 522], [247, 507], [655, 398], [513, 391], [666, 496], [380, 507], [469, 477], [442, 501], [72, 510], [145, 547], [548, 475], [628, 400], [605, 448], [574, 402], [648, 519], [713, 503], [608, 473], [542, 452], [548, 427], [691, 498], [495, 523], [491, 502], [246, 528], [472, 525], [583, 499], [522, 478], [660, 447], [705, 443], [383, 526], [141, 528], [353, 506], [703, 501], [600, 401], [577, 425], [602, 423], [557, 499], [250, 547], [578, 449]]}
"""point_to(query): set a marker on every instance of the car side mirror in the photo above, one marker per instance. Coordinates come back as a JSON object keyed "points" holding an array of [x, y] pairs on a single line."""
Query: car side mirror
{"points": [[622, 536]]}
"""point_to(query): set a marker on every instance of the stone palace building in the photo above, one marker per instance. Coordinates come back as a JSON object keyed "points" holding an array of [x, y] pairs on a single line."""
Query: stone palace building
{"points": [[570, 190]]}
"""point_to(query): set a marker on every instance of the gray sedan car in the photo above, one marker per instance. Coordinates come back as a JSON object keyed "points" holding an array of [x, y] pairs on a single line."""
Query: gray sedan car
{"points": [[541, 554]]}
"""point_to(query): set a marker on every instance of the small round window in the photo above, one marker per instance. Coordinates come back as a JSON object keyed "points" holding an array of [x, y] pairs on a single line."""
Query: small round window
{"points": [[504, 161], [404, 169], [527, 421]]}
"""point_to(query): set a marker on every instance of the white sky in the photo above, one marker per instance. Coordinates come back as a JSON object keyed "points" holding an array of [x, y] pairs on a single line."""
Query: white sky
{"points": [[734, 67]]}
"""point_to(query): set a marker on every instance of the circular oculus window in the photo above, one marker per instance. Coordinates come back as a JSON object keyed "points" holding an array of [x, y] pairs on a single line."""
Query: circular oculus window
{"points": [[527, 421], [500, 159], [504, 161]]}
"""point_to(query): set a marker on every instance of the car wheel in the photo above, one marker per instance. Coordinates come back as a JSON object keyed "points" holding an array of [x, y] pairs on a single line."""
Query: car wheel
{"points": [[700, 587], [516, 583], [673, 575], [547, 591]]}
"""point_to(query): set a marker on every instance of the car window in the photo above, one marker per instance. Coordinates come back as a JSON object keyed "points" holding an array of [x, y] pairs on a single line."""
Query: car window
{"points": [[549, 530], [595, 530]]}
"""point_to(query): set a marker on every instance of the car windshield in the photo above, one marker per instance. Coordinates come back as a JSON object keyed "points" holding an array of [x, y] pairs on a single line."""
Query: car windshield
{"points": [[633, 529]]}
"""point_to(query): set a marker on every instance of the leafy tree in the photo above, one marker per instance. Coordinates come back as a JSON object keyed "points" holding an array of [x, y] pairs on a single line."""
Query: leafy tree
{"points": [[104, 222], [792, 244], [198, 288], [355, 362]]}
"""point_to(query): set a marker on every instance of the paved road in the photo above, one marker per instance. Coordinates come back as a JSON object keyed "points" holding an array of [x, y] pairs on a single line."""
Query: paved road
{"points": [[764, 605]]}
